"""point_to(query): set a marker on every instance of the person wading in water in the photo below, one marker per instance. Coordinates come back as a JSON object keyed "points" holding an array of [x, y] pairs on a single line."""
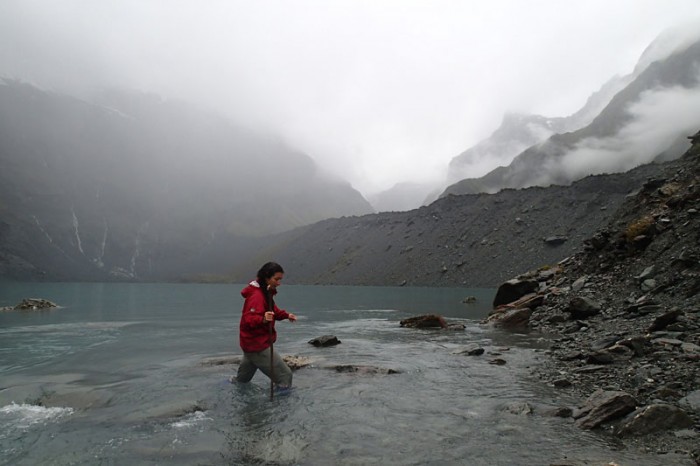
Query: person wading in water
{"points": [[257, 329]]}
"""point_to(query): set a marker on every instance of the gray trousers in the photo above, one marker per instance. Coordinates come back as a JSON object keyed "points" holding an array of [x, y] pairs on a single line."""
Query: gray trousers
{"points": [[261, 360]]}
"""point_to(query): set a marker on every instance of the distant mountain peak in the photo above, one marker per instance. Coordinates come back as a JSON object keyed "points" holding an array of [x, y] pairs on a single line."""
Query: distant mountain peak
{"points": [[141, 187], [519, 131]]}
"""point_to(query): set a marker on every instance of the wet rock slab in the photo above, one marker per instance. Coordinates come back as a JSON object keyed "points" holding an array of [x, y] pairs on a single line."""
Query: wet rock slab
{"points": [[604, 406], [363, 370], [293, 361], [654, 418]]}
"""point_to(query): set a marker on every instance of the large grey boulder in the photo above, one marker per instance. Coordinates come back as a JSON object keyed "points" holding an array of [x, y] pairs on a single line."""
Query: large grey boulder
{"points": [[582, 308], [604, 406], [471, 349], [512, 290], [691, 401], [654, 418]]}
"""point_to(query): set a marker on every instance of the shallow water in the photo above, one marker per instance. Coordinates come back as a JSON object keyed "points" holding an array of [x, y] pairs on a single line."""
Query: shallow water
{"points": [[118, 371]]}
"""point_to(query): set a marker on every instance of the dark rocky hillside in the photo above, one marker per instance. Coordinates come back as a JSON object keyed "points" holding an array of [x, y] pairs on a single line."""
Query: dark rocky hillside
{"points": [[624, 317], [138, 187], [474, 240]]}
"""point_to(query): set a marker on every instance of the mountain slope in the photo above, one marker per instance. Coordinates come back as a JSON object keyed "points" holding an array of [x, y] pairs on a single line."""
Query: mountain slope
{"points": [[633, 128], [518, 132], [137, 187], [474, 240]]}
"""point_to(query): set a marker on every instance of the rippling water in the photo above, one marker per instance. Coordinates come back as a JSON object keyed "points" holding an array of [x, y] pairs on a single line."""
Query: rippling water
{"points": [[117, 371]]}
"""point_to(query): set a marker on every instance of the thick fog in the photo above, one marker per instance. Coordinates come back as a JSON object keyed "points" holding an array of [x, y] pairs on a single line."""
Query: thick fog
{"points": [[657, 120], [376, 92]]}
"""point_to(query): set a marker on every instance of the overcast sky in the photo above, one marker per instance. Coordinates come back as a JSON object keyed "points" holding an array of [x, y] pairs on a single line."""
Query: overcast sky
{"points": [[378, 92]]}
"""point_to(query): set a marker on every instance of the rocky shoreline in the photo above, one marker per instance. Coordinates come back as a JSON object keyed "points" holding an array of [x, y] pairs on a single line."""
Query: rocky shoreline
{"points": [[624, 317]]}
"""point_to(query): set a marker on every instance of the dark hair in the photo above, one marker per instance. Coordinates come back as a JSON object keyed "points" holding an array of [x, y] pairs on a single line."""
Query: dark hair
{"points": [[266, 272]]}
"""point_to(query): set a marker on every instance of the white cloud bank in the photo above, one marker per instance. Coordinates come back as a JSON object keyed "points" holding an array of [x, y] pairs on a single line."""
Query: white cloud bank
{"points": [[660, 117], [378, 92]]}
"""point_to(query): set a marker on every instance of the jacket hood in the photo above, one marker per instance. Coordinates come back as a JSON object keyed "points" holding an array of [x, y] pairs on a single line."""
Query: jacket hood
{"points": [[252, 288]]}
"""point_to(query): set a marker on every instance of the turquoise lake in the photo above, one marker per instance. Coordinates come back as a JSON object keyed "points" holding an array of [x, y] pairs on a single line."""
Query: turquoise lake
{"points": [[114, 376]]}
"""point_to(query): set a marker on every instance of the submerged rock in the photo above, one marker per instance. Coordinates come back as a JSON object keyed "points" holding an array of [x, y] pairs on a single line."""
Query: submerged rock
{"points": [[296, 362], [519, 408], [471, 350], [455, 326], [365, 370], [167, 410], [221, 360]]}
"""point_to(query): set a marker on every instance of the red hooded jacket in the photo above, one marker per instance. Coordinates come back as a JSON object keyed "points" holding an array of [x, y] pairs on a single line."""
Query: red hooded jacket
{"points": [[254, 331]]}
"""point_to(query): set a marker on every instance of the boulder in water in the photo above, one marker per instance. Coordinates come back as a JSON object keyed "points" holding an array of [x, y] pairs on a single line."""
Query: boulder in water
{"points": [[30, 304], [325, 340], [424, 321], [470, 350]]}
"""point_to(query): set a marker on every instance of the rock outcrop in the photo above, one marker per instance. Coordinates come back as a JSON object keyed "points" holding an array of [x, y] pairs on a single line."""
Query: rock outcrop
{"points": [[625, 314], [33, 304]]}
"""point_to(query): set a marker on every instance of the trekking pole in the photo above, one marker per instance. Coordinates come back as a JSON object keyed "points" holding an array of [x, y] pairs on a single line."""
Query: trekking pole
{"points": [[272, 366]]}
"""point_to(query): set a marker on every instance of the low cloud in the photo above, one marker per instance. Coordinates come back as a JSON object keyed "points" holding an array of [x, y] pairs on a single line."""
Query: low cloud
{"points": [[375, 92], [659, 118]]}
